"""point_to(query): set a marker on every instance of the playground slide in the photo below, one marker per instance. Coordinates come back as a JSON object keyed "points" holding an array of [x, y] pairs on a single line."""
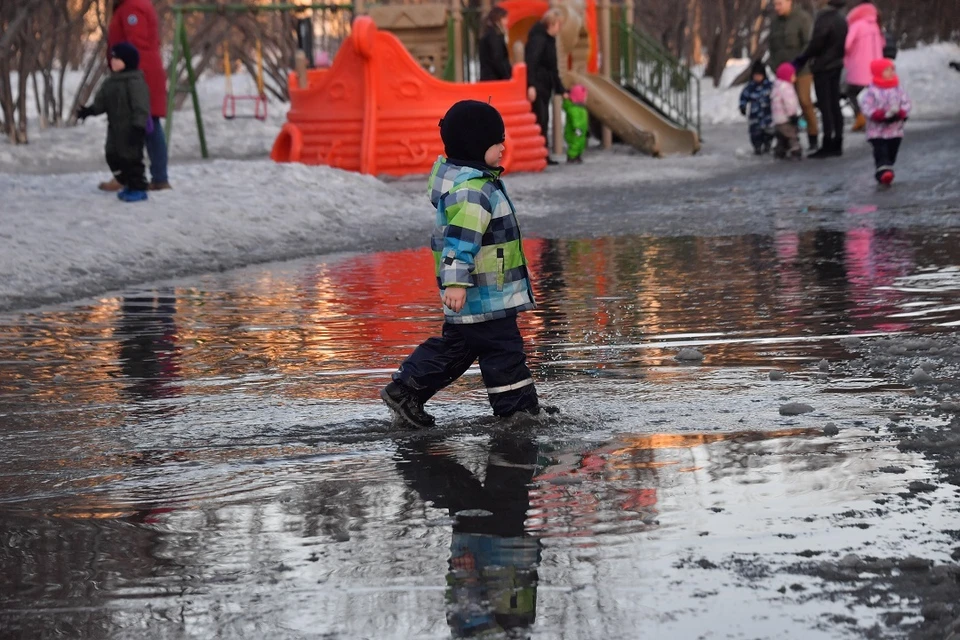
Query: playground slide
{"points": [[634, 122]]}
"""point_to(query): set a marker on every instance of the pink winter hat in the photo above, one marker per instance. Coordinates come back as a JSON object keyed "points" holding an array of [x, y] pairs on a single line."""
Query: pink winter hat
{"points": [[578, 94], [786, 71]]}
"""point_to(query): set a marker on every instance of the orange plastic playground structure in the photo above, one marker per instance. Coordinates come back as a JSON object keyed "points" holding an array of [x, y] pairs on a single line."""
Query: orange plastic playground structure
{"points": [[376, 111]]}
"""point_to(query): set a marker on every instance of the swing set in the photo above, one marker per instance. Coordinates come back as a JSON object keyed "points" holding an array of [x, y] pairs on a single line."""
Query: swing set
{"points": [[229, 108], [181, 62]]}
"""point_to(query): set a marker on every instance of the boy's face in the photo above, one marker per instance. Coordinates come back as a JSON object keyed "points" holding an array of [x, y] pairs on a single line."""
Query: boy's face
{"points": [[117, 64], [758, 77], [493, 155]]}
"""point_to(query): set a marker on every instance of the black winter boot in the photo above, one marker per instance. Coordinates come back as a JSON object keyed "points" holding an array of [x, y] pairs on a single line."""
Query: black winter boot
{"points": [[838, 146], [814, 143], [406, 406], [826, 151]]}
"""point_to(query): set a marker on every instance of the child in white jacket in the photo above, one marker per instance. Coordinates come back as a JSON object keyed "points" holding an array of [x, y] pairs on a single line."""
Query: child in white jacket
{"points": [[786, 107]]}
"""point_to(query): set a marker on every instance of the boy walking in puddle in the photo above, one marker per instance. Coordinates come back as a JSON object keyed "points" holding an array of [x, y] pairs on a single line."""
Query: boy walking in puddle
{"points": [[482, 275]]}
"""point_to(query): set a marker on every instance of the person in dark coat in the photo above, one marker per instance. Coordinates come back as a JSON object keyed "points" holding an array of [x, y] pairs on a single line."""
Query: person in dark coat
{"points": [[494, 55], [543, 72], [826, 48], [755, 103], [790, 32], [125, 98], [136, 22]]}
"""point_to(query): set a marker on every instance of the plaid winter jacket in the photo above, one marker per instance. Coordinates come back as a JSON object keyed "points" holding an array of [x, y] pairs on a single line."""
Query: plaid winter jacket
{"points": [[477, 243]]}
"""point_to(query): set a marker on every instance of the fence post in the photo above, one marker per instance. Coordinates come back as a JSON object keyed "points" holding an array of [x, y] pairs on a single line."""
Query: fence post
{"points": [[457, 52], [300, 62], [607, 136]]}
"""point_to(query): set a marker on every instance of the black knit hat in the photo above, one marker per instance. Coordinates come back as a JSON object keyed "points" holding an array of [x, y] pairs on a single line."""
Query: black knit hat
{"points": [[759, 68], [128, 53], [469, 128]]}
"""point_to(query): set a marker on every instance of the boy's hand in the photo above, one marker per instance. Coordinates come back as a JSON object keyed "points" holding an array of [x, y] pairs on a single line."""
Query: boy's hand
{"points": [[84, 112], [454, 298]]}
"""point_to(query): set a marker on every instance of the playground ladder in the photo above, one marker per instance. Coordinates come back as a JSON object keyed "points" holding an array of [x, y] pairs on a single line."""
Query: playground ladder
{"points": [[652, 73]]}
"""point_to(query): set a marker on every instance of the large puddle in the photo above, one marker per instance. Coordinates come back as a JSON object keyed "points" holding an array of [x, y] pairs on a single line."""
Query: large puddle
{"points": [[210, 458]]}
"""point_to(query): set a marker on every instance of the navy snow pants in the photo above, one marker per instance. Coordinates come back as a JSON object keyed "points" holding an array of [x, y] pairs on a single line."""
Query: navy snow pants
{"points": [[498, 345]]}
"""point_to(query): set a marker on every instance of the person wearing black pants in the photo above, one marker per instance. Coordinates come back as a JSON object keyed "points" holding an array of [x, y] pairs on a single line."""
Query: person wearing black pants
{"points": [[827, 85], [543, 73], [885, 156], [827, 47], [499, 347], [129, 171]]}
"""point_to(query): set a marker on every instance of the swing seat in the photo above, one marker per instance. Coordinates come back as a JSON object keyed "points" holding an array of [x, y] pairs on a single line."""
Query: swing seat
{"points": [[229, 108]]}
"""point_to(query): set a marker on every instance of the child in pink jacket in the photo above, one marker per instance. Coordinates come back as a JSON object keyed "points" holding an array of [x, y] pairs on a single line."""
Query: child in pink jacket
{"points": [[785, 106], [864, 44], [887, 107]]}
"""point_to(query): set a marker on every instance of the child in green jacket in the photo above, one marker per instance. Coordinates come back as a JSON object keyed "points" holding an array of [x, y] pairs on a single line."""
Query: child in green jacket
{"points": [[578, 123], [125, 98]]}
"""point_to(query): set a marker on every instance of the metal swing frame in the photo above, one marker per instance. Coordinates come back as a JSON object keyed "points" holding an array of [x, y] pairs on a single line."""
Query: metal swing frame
{"points": [[182, 56]]}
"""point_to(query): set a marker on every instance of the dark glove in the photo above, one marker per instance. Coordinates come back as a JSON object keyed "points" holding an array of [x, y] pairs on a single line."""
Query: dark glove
{"points": [[902, 115], [795, 121], [878, 116], [743, 111], [84, 112], [138, 135]]}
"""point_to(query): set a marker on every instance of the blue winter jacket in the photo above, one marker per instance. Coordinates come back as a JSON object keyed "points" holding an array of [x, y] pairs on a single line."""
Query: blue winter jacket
{"points": [[755, 98]]}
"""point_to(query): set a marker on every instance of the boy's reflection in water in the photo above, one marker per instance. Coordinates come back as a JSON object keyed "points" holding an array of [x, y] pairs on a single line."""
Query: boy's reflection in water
{"points": [[149, 354], [493, 562]]}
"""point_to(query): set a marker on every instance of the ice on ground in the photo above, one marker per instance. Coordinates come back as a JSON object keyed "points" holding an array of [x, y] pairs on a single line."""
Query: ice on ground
{"points": [[924, 72]]}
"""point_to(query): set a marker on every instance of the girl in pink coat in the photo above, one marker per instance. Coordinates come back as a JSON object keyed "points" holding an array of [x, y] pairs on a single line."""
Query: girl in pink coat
{"points": [[865, 44], [785, 107], [888, 106]]}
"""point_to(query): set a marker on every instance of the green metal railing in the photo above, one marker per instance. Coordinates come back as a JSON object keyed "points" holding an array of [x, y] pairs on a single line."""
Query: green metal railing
{"points": [[651, 72]]}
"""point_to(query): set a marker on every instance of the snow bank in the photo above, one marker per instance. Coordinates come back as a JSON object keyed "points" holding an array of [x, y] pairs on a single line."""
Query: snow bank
{"points": [[924, 71], [63, 239]]}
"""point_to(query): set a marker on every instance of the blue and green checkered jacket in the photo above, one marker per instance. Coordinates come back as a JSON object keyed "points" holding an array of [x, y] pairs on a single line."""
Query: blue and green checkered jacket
{"points": [[477, 243]]}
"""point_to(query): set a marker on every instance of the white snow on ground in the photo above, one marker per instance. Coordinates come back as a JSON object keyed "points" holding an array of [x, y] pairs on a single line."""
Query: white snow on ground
{"points": [[924, 72], [60, 238]]}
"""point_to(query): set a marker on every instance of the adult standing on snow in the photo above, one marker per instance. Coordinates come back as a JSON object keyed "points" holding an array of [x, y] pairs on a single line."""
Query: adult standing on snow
{"points": [[494, 56], [136, 22], [543, 72], [865, 43], [789, 35], [827, 47]]}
